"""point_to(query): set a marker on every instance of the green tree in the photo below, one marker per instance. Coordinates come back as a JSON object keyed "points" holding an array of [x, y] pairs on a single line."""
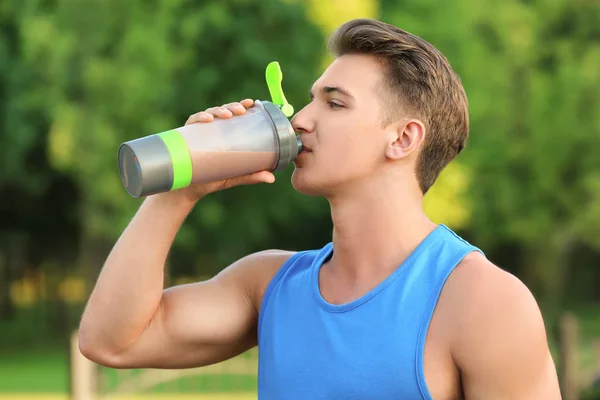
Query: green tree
{"points": [[122, 70], [37, 201], [531, 72]]}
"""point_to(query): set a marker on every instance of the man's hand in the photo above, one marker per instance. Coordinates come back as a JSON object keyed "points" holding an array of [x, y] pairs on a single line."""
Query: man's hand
{"points": [[195, 192]]}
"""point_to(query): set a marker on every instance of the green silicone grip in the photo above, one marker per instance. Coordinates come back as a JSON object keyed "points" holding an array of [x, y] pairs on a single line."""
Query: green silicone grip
{"points": [[180, 157]]}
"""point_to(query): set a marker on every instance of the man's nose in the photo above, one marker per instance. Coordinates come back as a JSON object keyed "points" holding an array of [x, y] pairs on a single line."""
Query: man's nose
{"points": [[301, 122]]}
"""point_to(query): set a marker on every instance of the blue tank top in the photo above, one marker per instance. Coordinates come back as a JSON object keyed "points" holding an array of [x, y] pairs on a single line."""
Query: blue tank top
{"points": [[370, 348]]}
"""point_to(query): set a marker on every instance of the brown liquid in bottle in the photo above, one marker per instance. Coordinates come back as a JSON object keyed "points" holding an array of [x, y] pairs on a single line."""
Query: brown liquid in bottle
{"points": [[211, 166]]}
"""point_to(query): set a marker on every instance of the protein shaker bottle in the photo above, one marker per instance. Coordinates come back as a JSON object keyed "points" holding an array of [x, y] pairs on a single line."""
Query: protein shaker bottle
{"points": [[260, 139]]}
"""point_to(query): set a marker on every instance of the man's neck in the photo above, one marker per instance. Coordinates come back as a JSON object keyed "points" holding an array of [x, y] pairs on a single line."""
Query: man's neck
{"points": [[375, 231]]}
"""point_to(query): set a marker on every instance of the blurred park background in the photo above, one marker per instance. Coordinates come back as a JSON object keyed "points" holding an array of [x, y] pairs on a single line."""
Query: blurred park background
{"points": [[78, 77]]}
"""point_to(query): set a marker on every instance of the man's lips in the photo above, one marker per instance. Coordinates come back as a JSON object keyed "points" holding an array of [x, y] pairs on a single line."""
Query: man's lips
{"points": [[305, 147], [304, 153]]}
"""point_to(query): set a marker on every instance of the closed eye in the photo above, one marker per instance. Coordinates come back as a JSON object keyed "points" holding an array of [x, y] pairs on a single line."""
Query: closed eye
{"points": [[334, 106]]}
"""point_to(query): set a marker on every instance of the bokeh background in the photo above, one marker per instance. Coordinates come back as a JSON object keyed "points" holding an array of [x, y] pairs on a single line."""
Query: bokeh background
{"points": [[78, 77]]}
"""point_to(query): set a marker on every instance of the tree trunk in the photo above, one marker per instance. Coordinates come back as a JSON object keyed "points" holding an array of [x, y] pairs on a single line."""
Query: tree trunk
{"points": [[13, 260], [7, 309], [546, 273]]}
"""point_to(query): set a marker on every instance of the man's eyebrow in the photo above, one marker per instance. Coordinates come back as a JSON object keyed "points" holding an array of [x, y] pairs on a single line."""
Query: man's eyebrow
{"points": [[333, 89]]}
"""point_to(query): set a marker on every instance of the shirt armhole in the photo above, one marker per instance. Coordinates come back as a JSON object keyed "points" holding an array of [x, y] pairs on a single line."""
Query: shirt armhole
{"points": [[274, 282]]}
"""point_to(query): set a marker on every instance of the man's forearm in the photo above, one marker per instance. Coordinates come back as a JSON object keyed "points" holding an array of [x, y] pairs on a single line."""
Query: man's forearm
{"points": [[129, 289]]}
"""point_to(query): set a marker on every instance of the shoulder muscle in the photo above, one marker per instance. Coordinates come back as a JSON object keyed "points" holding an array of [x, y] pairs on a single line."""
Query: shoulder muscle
{"points": [[499, 338]]}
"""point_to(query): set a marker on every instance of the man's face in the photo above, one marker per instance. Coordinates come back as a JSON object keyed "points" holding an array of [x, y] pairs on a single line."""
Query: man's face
{"points": [[341, 128]]}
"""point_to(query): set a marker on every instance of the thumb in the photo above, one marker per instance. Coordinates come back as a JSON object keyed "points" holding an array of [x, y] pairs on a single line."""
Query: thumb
{"points": [[251, 179], [262, 176]]}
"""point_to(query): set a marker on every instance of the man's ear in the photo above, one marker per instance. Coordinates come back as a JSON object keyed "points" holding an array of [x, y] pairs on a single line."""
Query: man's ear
{"points": [[404, 138]]}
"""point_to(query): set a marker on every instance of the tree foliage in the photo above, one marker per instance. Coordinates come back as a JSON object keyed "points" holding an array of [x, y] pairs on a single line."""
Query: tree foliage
{"points": [[531, 72]]}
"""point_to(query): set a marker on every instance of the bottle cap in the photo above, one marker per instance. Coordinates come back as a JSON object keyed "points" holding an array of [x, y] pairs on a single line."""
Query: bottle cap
{"points": [[274, 77]]}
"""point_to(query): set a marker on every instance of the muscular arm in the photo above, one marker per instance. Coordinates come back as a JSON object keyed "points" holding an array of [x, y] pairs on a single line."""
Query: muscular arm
{"points": [[501, 347], [130, 322]]}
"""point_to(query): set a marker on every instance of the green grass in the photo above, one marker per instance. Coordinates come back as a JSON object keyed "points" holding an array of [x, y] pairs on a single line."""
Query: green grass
{"points": [[35, 371], [33, 360], [202, 383], [209, 384], [46, 370]]}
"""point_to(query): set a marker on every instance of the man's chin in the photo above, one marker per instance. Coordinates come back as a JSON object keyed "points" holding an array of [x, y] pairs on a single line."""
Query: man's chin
{"points": [[304, 186]]}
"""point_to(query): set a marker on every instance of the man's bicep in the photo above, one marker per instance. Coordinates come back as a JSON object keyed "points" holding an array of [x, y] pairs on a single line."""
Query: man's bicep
{"points": [[503, 352], [205, 322], [206, 313], [520, 379]]}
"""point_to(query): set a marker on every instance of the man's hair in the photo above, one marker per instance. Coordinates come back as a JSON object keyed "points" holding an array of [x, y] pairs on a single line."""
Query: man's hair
{"points": [[420, 83]]}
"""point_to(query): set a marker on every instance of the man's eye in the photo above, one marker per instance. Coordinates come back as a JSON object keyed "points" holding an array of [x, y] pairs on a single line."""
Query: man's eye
{"points": [[333, 105]]}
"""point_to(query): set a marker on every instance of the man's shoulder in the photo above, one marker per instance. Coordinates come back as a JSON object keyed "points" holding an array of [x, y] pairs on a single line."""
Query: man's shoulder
{"points": [[271, 262], [477, 282], [263, 265], [490, 307], [479, 290], [258, 269], [496, 333], [274, 260]]}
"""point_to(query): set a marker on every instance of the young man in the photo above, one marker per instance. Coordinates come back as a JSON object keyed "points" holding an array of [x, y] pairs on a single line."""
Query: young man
{"points": [[395, 307]]}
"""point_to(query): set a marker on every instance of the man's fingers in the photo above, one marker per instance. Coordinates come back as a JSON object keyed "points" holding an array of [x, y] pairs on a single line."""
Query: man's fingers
{"points": [[235, 108], [225, 111], [247, 103], [220, 112], [201, 116]]}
